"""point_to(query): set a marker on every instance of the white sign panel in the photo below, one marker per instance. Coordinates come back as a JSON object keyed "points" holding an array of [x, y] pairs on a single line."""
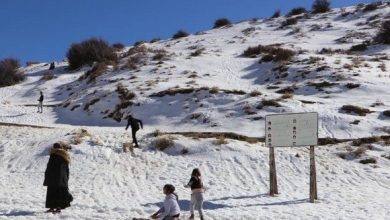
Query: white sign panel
{"points": [[291, 130]]}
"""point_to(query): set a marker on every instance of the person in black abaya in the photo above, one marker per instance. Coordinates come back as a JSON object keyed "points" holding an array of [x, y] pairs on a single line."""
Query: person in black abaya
{"points": [[56, 179]]}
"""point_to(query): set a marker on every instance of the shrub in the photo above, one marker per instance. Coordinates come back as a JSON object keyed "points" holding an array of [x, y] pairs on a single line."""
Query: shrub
{"points": [[29, 63], [383, 35], [289, 21], [276, 14], [97, 70], [90, 51], [321, 6], [386, 113], [287, 90], [49, 75], [296, 11], [118, 46], [221, 22], [367, 161], [180, 34], [164, 142], [270, 102], [277, 53], [140, 49], [355, 109], [372, 7], [124, 93], [9, 73], [134, 61], [139, 43], [197, 52], [254, 93], [154, 40], [359, 47], [267, 58], [352, 85], [287, 96], [283, 55]]}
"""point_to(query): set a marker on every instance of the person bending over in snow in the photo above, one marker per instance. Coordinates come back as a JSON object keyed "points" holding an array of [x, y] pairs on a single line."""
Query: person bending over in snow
{"points": [[40, 103], [171, 209], [134, 124], [197, 190], [56, 179]]}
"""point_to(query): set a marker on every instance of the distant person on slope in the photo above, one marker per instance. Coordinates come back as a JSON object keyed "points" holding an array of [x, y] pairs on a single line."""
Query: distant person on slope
{"points": [[134, 124], [197, 190], [56, 179], [40, 103], [170, 209]]}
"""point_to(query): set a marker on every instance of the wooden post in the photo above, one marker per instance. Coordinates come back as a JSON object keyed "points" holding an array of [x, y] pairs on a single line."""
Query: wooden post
{"points": [[313, 176], [273, 183]]}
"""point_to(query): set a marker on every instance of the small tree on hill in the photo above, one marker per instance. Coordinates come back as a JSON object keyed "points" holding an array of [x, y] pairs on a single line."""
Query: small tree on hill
{"points": [[221, 22], [89, 51], [321, 6], [276, 14], [9, 72], [383, 35], [180, 34], [296, 11]]}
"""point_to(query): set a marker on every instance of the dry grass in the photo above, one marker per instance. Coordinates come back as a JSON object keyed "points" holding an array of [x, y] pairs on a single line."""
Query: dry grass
{"points": [[287, 96], [129, 146], [163, 142], [356, 109], [221, 140], [49, 75], [270, 102], [214, 90], [156, 133], [90, 103], [78, 136], [368, 140], [97, 70]]}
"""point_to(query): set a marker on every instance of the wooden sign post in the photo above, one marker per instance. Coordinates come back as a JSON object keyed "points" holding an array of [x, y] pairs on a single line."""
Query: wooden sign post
{"points": [[272, 173], [313, 176], [291, 130]]}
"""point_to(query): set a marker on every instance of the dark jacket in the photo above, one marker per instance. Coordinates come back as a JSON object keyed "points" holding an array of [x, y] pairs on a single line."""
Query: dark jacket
{"points": [[134, 123], [57, 172], [195, 183], [40, 98]]}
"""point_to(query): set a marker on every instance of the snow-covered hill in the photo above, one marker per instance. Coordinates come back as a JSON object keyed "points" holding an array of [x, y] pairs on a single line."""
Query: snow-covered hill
{"points": [[203, 83]]}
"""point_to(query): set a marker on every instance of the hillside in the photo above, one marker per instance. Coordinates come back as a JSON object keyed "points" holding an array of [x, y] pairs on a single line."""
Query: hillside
{"points": [[207, 82]]}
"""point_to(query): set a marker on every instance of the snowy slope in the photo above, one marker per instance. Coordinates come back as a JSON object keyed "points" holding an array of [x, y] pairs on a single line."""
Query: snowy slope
{"points": [[109, 184], [221, 65], [216, 96]]}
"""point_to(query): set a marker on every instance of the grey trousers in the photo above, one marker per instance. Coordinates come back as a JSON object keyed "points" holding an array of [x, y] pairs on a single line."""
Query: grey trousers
{"points": [[197, 203], [40, 106]]}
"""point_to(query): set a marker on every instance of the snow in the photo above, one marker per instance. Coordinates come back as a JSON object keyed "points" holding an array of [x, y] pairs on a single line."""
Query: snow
{"points": [[110, 184]]}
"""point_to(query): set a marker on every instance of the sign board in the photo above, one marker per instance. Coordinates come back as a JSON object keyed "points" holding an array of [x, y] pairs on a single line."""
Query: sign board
{"points": [[291, 130]]}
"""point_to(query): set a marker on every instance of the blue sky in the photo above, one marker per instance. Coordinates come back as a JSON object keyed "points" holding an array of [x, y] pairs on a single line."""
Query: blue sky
{"points": [[42, 30]]}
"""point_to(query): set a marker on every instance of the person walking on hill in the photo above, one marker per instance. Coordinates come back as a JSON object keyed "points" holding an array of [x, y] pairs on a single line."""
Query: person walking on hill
{"points": [[197, 190], [134, 124], [56, 179], [171, 208], [40, 103]]}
